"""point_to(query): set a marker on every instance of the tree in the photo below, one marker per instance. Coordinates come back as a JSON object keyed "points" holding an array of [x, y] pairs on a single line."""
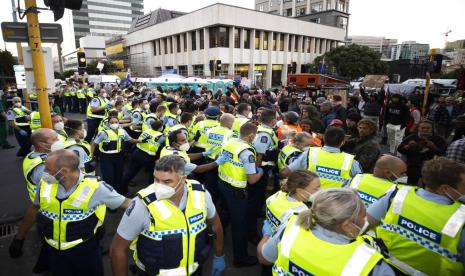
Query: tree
{"points": [[68, 73], [353, 61], [6, 65]]}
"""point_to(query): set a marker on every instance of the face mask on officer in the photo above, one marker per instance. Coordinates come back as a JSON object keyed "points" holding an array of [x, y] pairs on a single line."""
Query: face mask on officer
{"points": [[51, 179], [17, 104], [114, 126], [179, 112], [60, 126], [250, 115], [460, 198], [399, 179], [163, 191], [363, 229]]}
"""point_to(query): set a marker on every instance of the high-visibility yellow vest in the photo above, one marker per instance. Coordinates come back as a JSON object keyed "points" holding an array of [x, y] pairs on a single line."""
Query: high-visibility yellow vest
{"points": [[216, 137], [172, 116], [300, 252], [66, 92], [332, 168], [81, 93], [279, 208], [149, 141], [270, 132], [29, 165], [62, 135], [72, 91], [90, 92], [113, 142], [371, 188], [182, 233], [285, 154], [172, 151], [81, 143], [232, 171], [99, 114], [21, 117], [142, 114], [69, 222], [238, 122], [145, 125], [201, 129], [35, 121], [33, 96], [424, 234]]}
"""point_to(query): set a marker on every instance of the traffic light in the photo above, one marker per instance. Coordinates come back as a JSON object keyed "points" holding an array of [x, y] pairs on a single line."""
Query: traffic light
{"points": [[218, 65], [58, 6], [81, 58]]}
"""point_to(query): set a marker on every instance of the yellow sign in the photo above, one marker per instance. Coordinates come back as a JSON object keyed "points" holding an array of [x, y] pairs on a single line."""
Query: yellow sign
{"points": [[115, 49]]}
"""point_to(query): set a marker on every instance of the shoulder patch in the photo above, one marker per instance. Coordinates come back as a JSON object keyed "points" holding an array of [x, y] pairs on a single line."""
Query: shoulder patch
{"points": [[264, 139], [198, 187], [149, 198], [251, 158], [130, 208]]}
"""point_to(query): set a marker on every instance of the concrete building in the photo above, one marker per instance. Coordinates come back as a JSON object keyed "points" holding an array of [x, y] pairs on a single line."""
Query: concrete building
{"points": [[252, 44], [413, 50], [376, 43], [92, 46], [458, 44]]}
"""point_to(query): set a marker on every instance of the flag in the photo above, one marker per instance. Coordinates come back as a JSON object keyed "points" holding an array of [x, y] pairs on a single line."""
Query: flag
{"points": [[127, 80], [322, 66]]}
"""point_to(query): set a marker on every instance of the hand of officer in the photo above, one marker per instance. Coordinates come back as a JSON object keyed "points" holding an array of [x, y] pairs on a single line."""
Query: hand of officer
{"points": [[221, 159], [16, 248], [218, 265], [207, 152], [22, 132], [266, 229]]}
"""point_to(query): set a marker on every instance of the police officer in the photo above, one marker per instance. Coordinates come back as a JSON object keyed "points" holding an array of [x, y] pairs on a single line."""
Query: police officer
{"points": [[186, 120], [33, 100], [96, 112], [325, 240], [76, 133], [74, 99], [59, 127], [81, 97], [200, 129], [43, 140], [18, 118], [35, 123], [389, 170], [137, 117], [167, 223], [172, 115], [243, 115], [298, 143], [90, 92], [66, 93], [238, 172], [145, 153], [335, 168], [110, 144], [423, 227], [69, 209], [179, 145]]}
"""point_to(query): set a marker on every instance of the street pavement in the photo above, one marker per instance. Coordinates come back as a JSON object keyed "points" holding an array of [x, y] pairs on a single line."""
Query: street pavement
{"points": [[14, 201]]}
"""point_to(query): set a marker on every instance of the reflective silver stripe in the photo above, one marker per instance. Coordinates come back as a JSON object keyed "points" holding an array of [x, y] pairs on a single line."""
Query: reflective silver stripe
{"points": [[197, 200], [235, 183], [288, 239], [358, 260], [314, 154], [46, 191], [356, 181], [84, 193], [161, 207], [405, 267], [346, 163], [297, 209], [398, 201], [455, 222]]}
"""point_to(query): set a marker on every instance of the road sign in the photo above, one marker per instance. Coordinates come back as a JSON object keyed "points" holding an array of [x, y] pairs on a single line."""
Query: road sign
{"points": [[49, 76], [18, 68], [20, 75], [17, 32]]}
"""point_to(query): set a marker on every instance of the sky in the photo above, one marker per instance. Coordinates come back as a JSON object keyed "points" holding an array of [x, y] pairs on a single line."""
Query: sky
{"points": [[424, 21]]}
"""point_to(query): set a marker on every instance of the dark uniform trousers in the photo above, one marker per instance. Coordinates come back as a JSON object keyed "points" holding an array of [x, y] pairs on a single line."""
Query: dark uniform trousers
{"points": [[83, 259], [68, 105], [111, 168], [256, 200], [83, 105], [75, 101], [92, 126], [23, 141]]}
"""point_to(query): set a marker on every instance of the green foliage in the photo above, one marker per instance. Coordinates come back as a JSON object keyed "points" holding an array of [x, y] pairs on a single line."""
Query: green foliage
{"points": [[353, 61], [6, 64], [68, 74], [450, 75], [108, 68]]}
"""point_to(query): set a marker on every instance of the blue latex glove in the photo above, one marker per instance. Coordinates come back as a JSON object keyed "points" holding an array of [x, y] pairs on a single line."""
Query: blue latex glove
{"points": [[22, 132], [259, 170], [207, 152], [221, 159], [218, 265], [266, 229]]}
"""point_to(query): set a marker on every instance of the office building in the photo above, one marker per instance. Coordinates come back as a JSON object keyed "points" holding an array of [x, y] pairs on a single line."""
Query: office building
{"points": [[376, 43], [260, 46], [413, 50]]}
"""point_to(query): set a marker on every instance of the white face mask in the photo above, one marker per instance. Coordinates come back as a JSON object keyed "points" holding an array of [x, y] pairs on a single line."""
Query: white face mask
{"points": [[50, 179], [57, 145], [59, 126], [184, 147], [84, 133], [114, 126], [250, 115], [163, 191], [17, 104], [147, 106], [179, 112], [104, 95], [399, 179], [362, 230]]}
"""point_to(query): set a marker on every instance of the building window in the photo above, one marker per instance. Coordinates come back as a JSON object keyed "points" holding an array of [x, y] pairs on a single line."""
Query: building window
{"points": [[260, 7], [296, 44], [257, 39], [165, 40], [274, 41], [343, 22], [193, 41], [171, 44], [289, 48], [201, 37], [309, 44], [281, 42], [317, 7], [315, 20], [178, 43], [265, 40], [219, 36], [246, 39], [289, 12], [301, 11], [154, 47], [237, 38], [185, 41]]}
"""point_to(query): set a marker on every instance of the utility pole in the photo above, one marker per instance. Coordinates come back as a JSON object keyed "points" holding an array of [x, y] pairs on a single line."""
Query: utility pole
{"points": [[431, 54], [19, 49], [38, 63]]}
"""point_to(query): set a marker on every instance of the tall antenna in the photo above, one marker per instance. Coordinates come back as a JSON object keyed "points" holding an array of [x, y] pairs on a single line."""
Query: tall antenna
{"points": [[446, 35]]}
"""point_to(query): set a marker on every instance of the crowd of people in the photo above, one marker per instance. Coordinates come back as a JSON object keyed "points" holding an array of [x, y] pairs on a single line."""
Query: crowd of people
{"points": [[301, 176]]}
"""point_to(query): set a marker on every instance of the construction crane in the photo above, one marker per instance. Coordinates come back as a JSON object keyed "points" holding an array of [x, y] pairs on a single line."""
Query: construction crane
{"points": [[446, 35]]}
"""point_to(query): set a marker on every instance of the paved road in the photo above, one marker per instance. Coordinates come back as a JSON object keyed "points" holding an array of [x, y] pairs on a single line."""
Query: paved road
{"points": [[14, 201]]}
